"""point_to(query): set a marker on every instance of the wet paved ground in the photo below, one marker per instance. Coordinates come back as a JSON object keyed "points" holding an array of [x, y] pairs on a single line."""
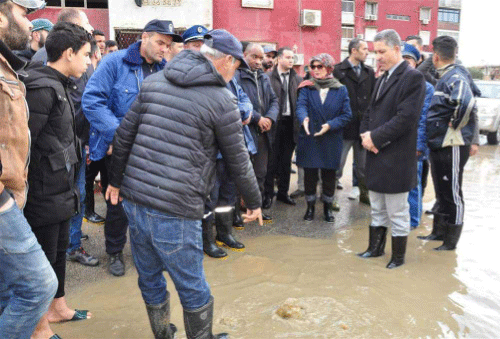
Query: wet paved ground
{"points": [[450, 295]]}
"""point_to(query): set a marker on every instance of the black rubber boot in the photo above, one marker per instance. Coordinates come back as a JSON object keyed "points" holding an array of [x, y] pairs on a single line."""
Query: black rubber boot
{"points": [[209, 246], [159, 318], [198, 323], [309, 216], [328, 212], [398, 252], [451, 237], [376, 243], [237, 219], [438, 228], [224, 225]]}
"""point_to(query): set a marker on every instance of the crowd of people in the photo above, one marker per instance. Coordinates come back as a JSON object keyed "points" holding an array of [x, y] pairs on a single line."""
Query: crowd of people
{"points": [[186, 132]]}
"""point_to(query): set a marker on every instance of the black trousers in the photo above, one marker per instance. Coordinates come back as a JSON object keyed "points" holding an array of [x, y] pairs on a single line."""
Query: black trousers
{"points": [[311, 177], [280, 159], [260, 160], [93, 168], [54, 240], [448, 166], [116, 224]]}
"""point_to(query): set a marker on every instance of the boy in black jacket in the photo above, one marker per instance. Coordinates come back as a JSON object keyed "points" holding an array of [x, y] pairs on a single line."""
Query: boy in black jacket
{"points": [[53, 197]]}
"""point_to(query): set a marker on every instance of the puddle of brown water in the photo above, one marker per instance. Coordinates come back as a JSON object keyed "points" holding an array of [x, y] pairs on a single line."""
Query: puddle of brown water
{"points": [[341, 294], [434, 295]]}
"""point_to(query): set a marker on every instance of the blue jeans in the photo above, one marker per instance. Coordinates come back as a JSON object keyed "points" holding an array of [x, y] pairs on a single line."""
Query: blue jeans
{"points": [[162, 242], [415, 198], [75, 224], [27, 281]]}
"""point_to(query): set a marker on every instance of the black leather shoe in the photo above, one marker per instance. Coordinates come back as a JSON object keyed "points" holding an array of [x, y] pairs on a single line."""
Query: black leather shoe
{"points": [[286, 199], [267, 202], [267, 219], [94, 218], [297, 194]]}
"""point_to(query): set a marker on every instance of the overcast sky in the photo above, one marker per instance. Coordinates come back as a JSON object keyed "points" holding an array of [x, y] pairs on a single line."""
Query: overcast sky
{"points": [[479, 32]]}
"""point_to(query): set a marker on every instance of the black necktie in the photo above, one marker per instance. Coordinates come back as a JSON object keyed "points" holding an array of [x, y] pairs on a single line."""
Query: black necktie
{"points": [[285, 88], [382, 84], [357, 70]]}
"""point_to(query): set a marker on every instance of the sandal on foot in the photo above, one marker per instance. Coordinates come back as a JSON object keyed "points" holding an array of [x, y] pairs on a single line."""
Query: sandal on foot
{"points": [[79, 315], [55, 336]]}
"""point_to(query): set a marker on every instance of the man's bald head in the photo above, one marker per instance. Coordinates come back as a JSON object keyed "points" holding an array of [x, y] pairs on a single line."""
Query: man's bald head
{"points": [[75, 16], [254, 55]]}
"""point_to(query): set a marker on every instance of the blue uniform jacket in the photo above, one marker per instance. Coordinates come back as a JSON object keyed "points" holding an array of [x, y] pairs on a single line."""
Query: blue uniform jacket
{"points": [[109, 94], [422, 124], [246, 108]]}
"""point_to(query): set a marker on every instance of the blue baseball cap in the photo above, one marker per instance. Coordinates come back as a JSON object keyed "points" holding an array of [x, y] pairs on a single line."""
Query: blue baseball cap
{"points": [[196, 32], [39, 24], [165, 27], [270, 49], [411, 51], [225, 42]]}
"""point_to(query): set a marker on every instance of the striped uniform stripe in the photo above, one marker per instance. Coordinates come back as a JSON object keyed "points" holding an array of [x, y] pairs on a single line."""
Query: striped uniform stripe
{"points": [[455, 188]]}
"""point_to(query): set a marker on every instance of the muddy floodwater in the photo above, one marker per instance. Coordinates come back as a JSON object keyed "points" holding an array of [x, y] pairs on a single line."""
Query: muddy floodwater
{"points": [[303, 280]]}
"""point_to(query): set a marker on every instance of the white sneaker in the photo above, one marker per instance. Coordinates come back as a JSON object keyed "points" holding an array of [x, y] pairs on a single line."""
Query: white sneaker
{"points": [[354, 193]]}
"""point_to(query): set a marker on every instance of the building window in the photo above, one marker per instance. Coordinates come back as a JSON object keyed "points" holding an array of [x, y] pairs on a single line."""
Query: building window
{"points": [[449, 15], [425, 14], [370, 33], [371, 8], [347, 32], [348, 6], [398, 17], [454, 34], [426, 37], [78, 3]]}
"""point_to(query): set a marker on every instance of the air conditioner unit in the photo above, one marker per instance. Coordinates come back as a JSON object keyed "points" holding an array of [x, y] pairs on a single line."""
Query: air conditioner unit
{"points": [[298, 59], [310, 17], [425, 21], [370, 17], [360, 36]]}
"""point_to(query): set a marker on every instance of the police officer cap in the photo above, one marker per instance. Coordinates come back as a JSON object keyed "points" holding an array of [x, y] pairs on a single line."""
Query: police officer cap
{"points": [[165, 27], [196, 32], [411, 51]]}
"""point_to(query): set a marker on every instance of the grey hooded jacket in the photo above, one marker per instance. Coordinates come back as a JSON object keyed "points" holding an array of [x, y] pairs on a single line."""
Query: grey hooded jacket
{"points": [[164, 150]]}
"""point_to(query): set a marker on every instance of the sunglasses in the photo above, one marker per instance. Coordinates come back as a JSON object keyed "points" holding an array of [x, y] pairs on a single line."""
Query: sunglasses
{"points": [[319, 67]]}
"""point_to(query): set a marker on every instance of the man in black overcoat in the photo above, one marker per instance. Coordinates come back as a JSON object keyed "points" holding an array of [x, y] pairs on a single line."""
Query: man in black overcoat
{"points": [[389, 133]]}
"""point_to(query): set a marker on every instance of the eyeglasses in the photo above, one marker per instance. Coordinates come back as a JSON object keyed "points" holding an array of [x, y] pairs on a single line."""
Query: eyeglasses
{"points": [[319, 67]]}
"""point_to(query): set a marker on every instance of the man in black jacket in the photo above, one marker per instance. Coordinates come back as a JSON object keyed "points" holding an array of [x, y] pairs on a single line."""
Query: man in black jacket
{"points": [[389, 133], [285, 82], [28, 282], [257, 86], [359, 80], [163, 164]]}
